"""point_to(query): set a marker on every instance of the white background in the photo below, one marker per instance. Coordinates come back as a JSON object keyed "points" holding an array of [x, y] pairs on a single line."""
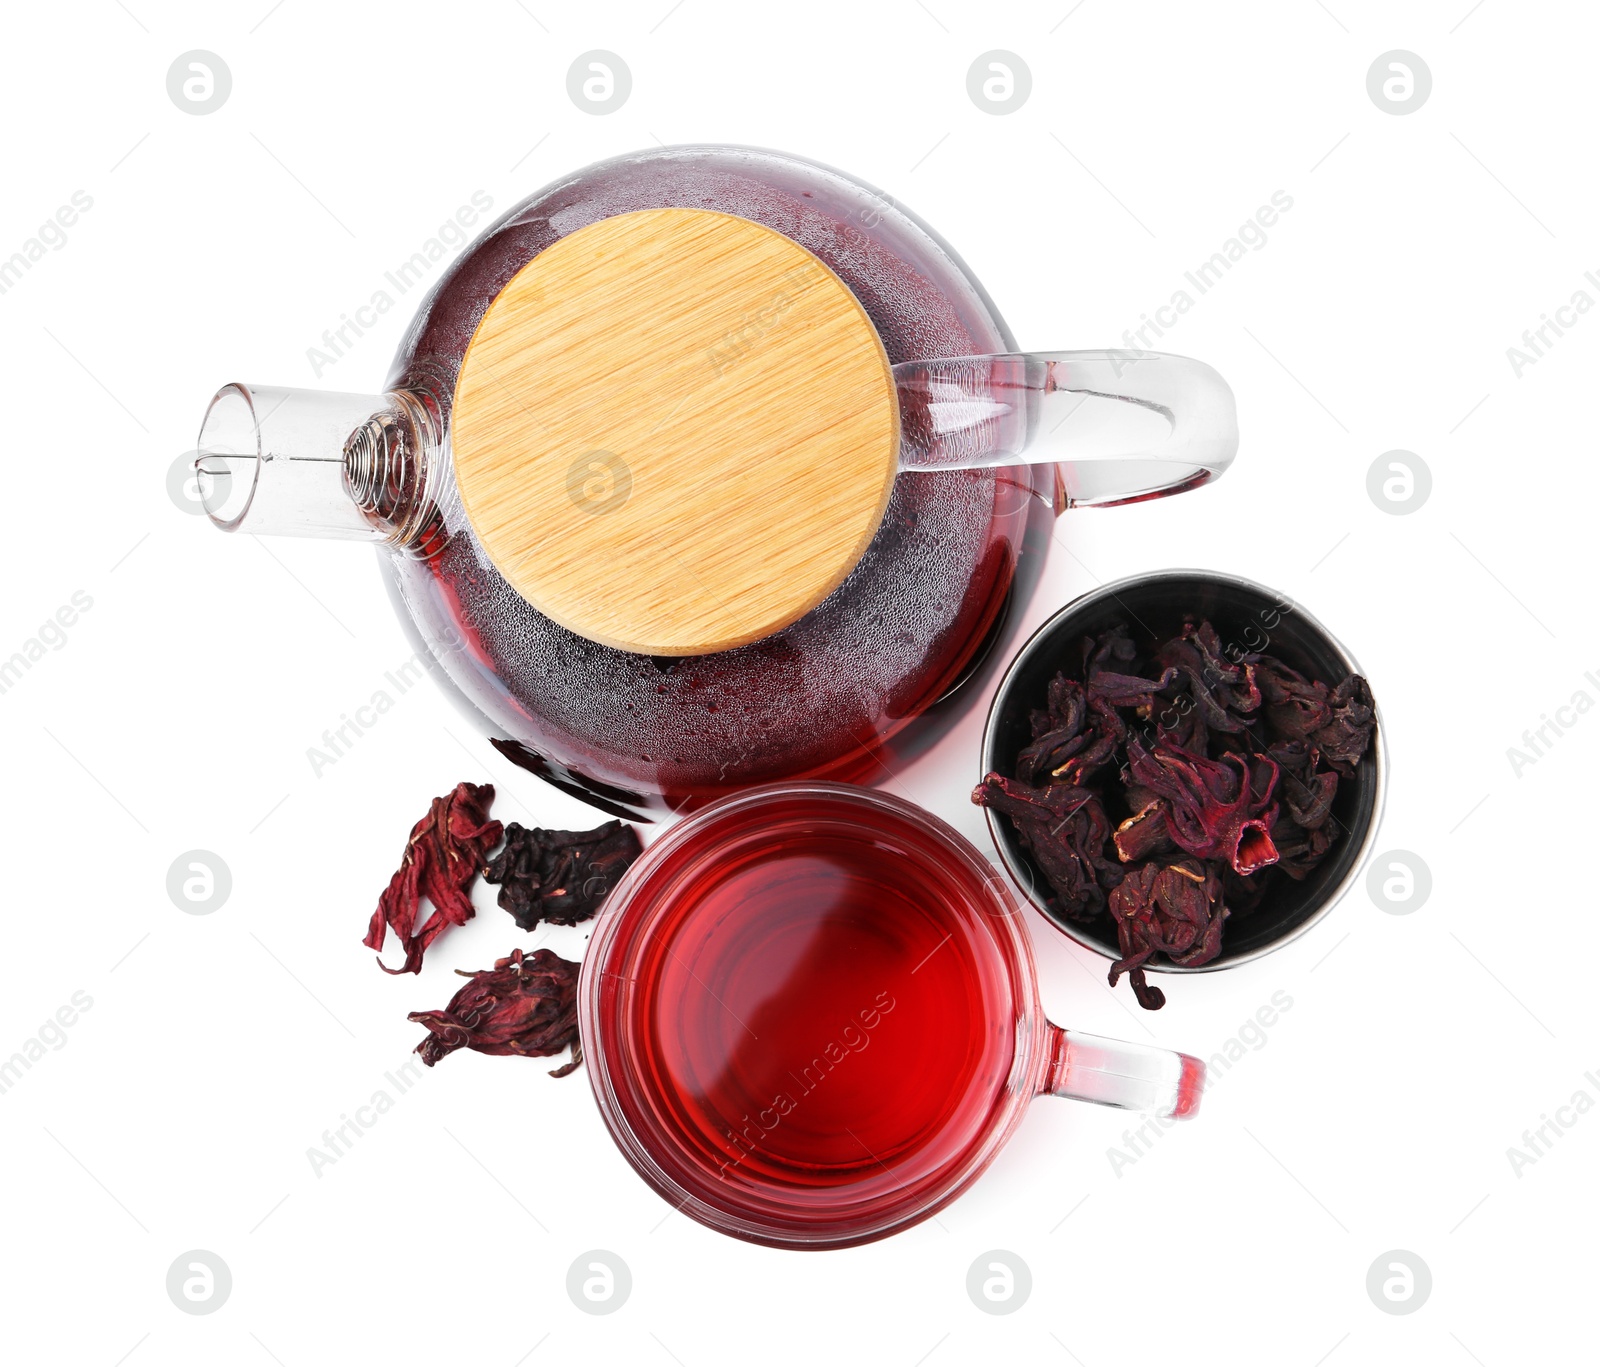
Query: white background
{"points": [[1379, 1110]]}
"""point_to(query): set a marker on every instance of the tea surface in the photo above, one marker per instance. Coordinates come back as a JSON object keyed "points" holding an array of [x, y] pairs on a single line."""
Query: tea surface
{"points": [[817, 1014]]}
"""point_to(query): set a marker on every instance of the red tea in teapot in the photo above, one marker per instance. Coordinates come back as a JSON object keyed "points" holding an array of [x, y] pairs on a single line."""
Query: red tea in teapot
{"points": [[818, 697], [708, 467]]}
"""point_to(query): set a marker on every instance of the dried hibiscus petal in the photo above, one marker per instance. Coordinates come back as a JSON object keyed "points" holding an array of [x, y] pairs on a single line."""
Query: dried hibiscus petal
{"points": [[1173, 785], [1058, 732], [1344, 739], [560, 876], [446, 850], [1224, 691], [1075, 737], [525, 1004], [1215, 809], [1174, 909], [1065, 707], [1065, 829], [1299, 850], [1295, 706], [1307, 795], [1144, 833]]}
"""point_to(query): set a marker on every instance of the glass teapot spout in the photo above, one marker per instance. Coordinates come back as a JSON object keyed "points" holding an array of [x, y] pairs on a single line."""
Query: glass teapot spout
{"points": [[297, 462]]}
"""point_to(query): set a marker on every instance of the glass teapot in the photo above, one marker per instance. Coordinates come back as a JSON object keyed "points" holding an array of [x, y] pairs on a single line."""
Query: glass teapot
{"points": [[709, 466]]}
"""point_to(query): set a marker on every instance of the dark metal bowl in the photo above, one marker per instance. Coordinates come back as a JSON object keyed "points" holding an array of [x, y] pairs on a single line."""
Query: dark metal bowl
{"points": [[1153, 607]]}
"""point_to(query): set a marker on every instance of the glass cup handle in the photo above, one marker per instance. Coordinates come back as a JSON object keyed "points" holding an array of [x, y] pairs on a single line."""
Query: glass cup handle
{"points": [[1132, 1077], [1120, 426]]}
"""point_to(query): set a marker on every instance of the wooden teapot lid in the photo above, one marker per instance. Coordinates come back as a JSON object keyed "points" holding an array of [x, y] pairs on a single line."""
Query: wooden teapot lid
{"points": [[675, 431]]}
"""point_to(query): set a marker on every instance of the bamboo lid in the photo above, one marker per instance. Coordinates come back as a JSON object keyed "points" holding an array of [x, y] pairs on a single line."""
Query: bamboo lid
{"points": [[675, 431]]}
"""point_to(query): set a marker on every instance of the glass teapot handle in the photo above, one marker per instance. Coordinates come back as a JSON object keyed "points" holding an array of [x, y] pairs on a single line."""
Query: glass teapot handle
{"points": [[1120, 426]]}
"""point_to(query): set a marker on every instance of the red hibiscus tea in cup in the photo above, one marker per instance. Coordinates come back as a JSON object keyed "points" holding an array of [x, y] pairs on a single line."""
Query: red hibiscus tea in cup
{"points": [[811, 1018], [815, 1013]]}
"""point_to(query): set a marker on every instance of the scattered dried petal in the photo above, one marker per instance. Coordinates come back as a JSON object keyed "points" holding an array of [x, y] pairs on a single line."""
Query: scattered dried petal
{"points": [[560, 876], [445, 852], [523, 1005]]}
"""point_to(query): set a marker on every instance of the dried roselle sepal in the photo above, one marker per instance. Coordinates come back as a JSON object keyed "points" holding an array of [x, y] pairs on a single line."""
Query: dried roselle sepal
{"points": [[1215, 809], [1242, 892], [1344, 739], [1106, 732], [1112, 650], [1306, 795], [445, 852], [1058, 732], [1228, 669], [1065, 829], [1072, 740], [1190, 913], [1223, 691], [1144, 833], [1128, 690], [560, 876], [1066, 706], [1051, 751], [1294, 706], [1181, 722], [1172, 908], [1299, 850], [525, 1004], [1131, 901]]}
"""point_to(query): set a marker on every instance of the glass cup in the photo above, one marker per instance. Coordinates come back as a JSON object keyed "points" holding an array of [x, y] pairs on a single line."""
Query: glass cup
{"points": [[811, 1018]]}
